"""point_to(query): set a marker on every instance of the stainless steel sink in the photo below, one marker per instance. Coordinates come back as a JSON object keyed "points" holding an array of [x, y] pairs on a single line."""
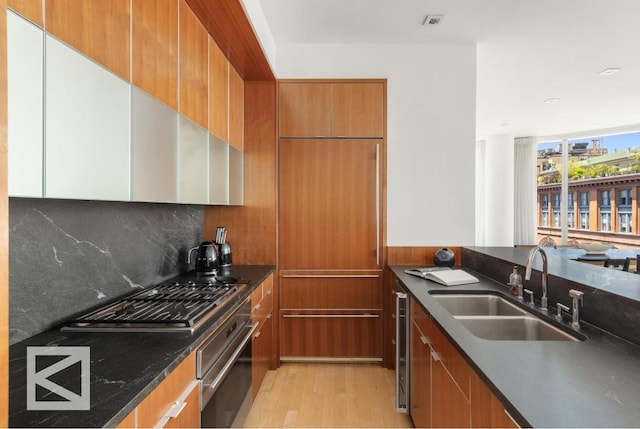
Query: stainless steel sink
{"points": [[518, 328], [493, 317], [478, 305]]}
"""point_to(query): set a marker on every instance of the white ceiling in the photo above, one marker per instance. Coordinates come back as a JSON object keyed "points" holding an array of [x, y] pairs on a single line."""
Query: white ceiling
{"points": [[527, 51]]}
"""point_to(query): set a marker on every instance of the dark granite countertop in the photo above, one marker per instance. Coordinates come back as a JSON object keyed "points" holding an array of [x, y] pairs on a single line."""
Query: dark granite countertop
{"points": [[591, 383], [125, 367]]}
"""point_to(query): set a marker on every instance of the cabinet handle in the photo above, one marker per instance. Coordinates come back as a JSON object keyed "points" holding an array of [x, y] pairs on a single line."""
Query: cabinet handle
{"points": [[256, 335], [377, 204], [176, 409], [330, 276], [425, 340], [325, 316], [269, 292], [268, 316], [435, 356], [256, 307]]}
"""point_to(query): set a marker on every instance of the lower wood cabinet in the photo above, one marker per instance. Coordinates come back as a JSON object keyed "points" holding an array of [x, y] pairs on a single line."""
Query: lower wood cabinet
{"points": [[486, 409], [444, 390], [331, 316], [175, 403], [420, 382], [262, 341]]}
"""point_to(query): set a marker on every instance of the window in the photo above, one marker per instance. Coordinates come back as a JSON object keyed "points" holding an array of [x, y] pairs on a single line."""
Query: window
{"points": [[624, 210], [556, 210], [584, 210], [544, 207], [570, 210], [605, 210]]}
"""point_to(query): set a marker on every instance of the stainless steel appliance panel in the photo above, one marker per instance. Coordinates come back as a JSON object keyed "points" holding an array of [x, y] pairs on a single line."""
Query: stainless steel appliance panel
{"points": [[402, 349]]}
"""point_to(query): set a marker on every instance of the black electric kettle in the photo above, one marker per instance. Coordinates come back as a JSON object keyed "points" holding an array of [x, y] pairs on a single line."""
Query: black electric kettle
{"points": [[206, 259]]}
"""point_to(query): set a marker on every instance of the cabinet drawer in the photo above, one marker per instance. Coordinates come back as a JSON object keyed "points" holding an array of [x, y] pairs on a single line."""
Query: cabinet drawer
{"points": [[331, 334], [159, 402], [331, 292], [260, 310]]}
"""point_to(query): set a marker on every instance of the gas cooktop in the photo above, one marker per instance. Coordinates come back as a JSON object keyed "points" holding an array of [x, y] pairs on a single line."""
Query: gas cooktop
{"points": [[162, 308]]}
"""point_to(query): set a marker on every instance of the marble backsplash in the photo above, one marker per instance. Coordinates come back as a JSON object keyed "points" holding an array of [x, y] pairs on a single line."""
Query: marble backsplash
{"points": [[66, 257]]}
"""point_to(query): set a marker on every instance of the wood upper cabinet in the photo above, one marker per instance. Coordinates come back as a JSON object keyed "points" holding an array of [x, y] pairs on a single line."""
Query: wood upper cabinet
{"points": [[218, 92], [344, 109], [194, 73], [236, 109], [305, 110], [30, 9], [154, 48], [328, 204], [97, 28], [358, 109]]}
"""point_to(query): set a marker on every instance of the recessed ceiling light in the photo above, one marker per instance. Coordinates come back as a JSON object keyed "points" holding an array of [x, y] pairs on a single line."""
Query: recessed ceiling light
{"points": [[551, 100], [433, 20], [609, 71]]}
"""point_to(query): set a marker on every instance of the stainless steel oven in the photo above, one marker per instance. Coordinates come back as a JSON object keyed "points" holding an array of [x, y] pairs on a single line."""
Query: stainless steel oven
{"points": [[224, 366], [402, 348]]}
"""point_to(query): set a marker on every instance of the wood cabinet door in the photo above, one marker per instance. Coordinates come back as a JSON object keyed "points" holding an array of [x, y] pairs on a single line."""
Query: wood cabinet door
{"points": [[194, 67], [189, 416], [154, 49], [486, 409], [329, 194], [236, 109], [305, 109], [449, 406], [154, 408], [261, 352], [357, 110], [331, 334], [99, 29], [420, 381], [359, 292], [30, 9], [218, 91]]}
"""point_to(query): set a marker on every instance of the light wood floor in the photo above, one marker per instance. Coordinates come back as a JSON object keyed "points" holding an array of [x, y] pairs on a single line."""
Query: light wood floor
{"points": [[327, 395]]}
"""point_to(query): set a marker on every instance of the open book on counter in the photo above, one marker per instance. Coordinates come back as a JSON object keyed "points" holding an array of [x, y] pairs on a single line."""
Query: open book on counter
{"points": [[444, 275]]}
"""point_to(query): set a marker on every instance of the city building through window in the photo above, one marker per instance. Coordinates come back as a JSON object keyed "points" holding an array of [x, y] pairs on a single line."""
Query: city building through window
{"points": [[603, 181]]}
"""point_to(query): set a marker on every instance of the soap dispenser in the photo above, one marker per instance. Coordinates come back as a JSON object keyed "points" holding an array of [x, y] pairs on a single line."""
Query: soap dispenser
{"points": [[515, 281]]}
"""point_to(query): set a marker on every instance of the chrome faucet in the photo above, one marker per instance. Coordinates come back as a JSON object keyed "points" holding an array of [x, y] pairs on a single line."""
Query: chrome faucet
{"points": [[527, 275], [577, 297]]}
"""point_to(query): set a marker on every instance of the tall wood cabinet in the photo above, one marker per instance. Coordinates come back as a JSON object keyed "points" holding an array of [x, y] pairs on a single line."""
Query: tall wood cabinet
{"points": [[331, 159]]}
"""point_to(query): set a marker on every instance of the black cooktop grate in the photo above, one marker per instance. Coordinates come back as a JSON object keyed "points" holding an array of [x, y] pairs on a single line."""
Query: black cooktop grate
{"points": [[176, 304]]}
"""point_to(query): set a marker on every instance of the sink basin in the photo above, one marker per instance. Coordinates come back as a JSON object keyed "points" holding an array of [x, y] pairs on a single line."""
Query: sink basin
{"points": [[478, 305], [514, 328]]}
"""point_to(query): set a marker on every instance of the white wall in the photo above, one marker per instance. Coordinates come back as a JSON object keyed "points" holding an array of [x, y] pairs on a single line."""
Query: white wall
{"points": [[431, 103]]}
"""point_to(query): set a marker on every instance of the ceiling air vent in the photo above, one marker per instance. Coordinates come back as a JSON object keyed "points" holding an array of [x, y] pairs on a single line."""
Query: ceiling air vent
{"points": [[433, 20]]}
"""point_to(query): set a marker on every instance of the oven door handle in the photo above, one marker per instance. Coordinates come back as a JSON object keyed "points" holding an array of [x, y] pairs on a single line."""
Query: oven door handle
{"points": [[227, 366]]}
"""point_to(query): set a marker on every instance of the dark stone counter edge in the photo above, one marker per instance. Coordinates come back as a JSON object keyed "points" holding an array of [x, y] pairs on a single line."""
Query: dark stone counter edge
{"points": [[255, 274]]}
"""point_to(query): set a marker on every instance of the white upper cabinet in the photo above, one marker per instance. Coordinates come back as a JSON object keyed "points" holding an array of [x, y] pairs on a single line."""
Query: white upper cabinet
{"points": [[154, 150], [236, 176], [193, 157], [218, 171], [87, 129], [25, 56]]}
